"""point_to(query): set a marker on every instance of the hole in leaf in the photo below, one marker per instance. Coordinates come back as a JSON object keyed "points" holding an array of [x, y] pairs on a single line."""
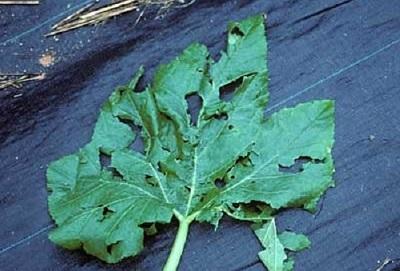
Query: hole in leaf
{"points": [[142, 84], [116, 173], [221, 116], [111, 247], [138, 144], [245, 160], [105, 160], [236, 205], [220, 183], [165, 117], [236, 31], [107, 211], [127, 122], [194, 102], [150, 180], [226, 92], [150, 229], [202, 199], [298, 165], [318, 161]]}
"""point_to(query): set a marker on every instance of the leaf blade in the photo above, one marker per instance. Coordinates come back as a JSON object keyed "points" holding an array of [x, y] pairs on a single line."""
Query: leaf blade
{"points": [[273, 256], [232, 161], [293, 241]]}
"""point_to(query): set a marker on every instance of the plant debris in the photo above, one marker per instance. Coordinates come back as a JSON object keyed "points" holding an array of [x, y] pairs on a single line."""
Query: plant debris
{"points": [[17, 80], [20, 2], [93, 14], [386, 262], [47, 59]]}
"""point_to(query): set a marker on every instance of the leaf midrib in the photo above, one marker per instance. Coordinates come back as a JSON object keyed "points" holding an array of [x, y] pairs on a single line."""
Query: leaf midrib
{"points": [[193, 183]]}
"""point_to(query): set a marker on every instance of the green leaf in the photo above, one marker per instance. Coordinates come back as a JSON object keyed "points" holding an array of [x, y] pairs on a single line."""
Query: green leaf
{"points": [[293, 241], [230, 160], [288, 265], [256, 214], [273, 256], [110, 134], [246, 52]]}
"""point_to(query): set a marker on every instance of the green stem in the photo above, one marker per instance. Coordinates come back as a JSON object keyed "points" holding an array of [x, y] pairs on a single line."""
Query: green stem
{"points": [[179, 243]]}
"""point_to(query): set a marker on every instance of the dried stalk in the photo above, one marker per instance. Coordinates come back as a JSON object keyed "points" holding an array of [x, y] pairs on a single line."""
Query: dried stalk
{"points": [[89, 16], [386, 262], [21, 2], [17, 80]]}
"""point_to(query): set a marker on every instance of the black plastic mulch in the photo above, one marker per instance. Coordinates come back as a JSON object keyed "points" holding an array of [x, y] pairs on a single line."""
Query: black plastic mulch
{"points": [[348, 51]]}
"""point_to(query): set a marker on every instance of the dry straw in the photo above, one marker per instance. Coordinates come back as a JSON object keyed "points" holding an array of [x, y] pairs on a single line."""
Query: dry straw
{"points": [[92, 14]]}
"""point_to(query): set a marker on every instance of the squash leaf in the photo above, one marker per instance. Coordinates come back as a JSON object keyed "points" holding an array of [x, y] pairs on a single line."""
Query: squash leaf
{"points": [[274, 256], [294, 241], [229, 160]]}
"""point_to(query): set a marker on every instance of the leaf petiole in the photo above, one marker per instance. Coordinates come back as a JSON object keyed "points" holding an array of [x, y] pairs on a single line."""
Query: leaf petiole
{"points": [[180, 241]]}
